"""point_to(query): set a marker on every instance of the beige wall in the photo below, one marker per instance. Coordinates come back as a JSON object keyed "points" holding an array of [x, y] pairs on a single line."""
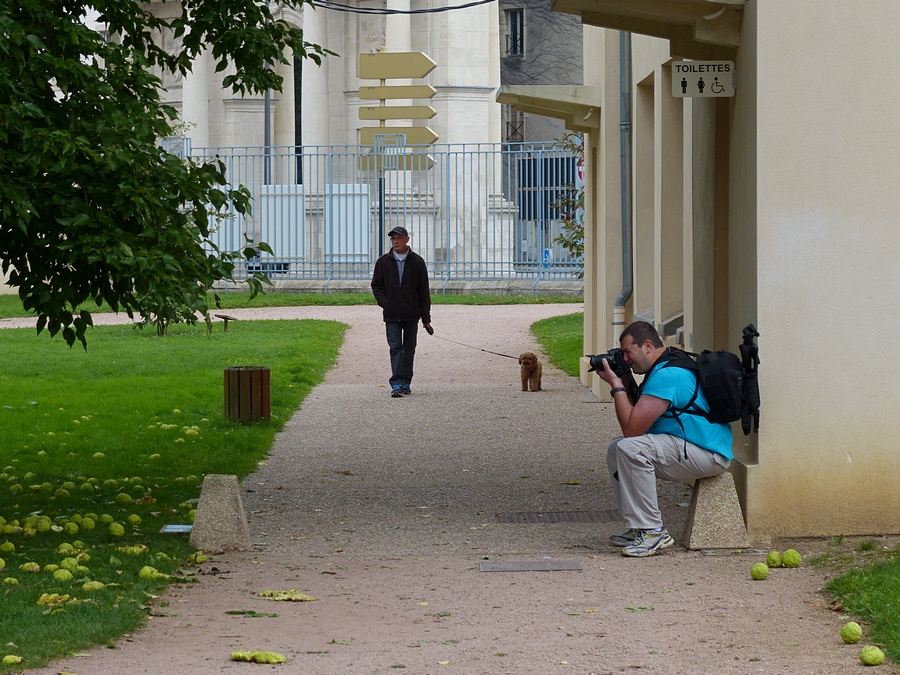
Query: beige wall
{"points": [[778, 207], [828, 144]]}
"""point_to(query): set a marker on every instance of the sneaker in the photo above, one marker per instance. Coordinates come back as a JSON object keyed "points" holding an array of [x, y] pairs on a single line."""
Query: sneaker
{"points": [[624, 539], [647, 543], [405, 390], [396, 391]]}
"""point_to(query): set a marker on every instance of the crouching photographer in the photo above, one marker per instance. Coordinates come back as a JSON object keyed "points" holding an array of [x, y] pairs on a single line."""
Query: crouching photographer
{"points": [[657, 442]]}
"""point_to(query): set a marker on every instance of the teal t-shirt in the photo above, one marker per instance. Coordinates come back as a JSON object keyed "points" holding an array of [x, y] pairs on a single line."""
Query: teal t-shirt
{"points": [[676, 385]]}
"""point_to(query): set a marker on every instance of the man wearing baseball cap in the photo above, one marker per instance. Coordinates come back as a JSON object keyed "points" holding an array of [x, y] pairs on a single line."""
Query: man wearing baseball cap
{"points": [[400, 285]]}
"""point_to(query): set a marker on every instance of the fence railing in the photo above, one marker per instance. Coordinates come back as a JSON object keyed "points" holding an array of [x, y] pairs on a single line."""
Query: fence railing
{"points": [[473, 211]]}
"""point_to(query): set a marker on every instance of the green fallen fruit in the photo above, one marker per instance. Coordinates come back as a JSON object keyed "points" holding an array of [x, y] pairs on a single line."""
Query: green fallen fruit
{"points": [[773, 559], [256, 656], [851, 632], [791, 558], [871, 656], [151, 573], [62, 575], [759, 572]]}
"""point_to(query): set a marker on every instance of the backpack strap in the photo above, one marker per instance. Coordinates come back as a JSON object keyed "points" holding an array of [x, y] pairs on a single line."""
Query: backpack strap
{"points": [[678, 358]]}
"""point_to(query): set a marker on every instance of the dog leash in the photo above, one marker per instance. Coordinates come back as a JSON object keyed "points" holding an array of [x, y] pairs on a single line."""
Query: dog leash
{"points": [[461, 344]]}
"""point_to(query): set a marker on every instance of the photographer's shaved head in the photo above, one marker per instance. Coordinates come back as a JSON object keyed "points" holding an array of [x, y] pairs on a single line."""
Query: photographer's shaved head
{"points": [[640, 332]]}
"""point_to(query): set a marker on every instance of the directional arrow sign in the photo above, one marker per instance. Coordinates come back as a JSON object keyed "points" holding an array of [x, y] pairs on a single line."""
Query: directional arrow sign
{"points": [[397, 91], [397, 112], [414, 135], [393, 65], [407, 162]]}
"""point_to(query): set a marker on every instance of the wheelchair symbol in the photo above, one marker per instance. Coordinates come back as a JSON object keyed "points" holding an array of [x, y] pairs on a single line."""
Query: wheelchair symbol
{"points": [[716, 87]]}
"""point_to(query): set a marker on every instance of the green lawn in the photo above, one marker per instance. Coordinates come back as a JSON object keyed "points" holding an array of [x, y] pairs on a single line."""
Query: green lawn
{"points": [[562, 338], [105, 446], [10, 306]]}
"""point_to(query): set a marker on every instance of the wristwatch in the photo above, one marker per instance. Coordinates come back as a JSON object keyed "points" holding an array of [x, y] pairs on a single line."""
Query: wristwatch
{"points": [[613, 392]]}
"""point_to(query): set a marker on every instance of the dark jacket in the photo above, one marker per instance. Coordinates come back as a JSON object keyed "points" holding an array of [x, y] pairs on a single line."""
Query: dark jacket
{"points": [[408, 301]]}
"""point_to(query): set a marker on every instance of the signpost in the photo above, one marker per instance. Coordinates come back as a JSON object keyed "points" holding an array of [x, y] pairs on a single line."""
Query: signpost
{"points": [[702, 79], [414, 135], [389, 143], [408, 112], [394, 65]]}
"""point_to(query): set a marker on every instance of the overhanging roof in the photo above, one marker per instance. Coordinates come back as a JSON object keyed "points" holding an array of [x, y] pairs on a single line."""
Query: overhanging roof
{"points": [[697, 29], [578, 106]]}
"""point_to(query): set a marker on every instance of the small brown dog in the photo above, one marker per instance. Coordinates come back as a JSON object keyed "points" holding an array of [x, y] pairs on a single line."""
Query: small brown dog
{"points": [[531, 371]]}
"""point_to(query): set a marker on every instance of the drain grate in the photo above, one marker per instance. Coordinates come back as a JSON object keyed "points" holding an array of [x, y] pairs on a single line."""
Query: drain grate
{"points": [[542, 517]]}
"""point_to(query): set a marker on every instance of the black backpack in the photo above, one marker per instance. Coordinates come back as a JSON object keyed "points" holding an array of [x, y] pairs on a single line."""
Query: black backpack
{"points": [[729, 383]]}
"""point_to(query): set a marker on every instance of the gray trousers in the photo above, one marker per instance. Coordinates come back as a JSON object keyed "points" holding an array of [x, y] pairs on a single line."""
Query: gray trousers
{"points": [[635, 464]]}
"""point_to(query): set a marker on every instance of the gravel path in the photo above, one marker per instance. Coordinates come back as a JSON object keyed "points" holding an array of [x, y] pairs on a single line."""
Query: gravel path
{"points": [[385, 509]]}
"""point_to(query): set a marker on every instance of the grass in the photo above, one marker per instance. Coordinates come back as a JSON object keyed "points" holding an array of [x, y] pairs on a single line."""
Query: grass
{"points": [[11, 307], [562, 338], [123, 433], [871, 592]]}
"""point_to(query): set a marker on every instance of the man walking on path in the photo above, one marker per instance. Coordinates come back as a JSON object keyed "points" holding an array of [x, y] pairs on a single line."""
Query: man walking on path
{"points": [[400, 285]]}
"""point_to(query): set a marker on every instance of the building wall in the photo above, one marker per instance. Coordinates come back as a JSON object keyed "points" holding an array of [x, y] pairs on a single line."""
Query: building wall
{"points": [[828, 283], [788, 219], [550, 54], [464, 43], [5, 288]]}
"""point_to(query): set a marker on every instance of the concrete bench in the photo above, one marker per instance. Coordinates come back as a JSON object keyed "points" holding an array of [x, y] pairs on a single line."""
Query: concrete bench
{"points": [[715, 519]]}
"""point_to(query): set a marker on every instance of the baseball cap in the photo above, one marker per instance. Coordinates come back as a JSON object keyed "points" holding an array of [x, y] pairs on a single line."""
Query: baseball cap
{"points": [[402, 231]]}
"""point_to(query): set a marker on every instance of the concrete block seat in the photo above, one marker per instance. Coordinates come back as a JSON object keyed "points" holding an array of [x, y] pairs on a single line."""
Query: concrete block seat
{"points": [[715, 519]]}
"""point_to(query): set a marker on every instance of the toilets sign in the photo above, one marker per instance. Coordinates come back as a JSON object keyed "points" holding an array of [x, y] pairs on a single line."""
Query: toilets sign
{"points": [[702, 79]]}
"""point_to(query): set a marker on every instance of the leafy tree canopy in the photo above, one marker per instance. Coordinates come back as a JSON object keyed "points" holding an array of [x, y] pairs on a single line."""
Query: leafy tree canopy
{"points": [[92, 209]]}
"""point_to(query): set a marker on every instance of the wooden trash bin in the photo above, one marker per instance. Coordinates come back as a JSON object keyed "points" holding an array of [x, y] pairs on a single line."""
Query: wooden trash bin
{"points": [[248, 394]]}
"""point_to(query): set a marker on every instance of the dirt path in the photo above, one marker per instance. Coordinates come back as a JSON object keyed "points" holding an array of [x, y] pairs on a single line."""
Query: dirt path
{"points": [[384, 510]]}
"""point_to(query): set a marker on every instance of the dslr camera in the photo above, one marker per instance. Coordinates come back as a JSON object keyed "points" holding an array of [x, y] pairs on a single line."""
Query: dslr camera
{"points": [[616, 359]]}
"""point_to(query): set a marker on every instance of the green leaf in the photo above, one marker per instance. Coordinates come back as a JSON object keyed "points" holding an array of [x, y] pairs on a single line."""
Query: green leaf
{"points": [[93, 209], [249, 613]]}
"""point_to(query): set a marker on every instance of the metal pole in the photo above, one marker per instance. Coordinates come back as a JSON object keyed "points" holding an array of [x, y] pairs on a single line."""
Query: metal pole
{"points": [[267, 136], [381, 233]]}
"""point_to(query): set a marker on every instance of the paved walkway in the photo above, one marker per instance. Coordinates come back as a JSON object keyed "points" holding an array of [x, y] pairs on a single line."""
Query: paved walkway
{"points": [[385, 510]]}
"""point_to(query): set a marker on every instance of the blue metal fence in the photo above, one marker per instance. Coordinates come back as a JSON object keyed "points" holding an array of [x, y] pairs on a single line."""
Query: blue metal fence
{"points": [[474, 211]]}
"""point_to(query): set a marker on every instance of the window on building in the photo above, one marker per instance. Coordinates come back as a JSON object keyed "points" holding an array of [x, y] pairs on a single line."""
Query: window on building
{"points": [[515, 125], [515, 32]]}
